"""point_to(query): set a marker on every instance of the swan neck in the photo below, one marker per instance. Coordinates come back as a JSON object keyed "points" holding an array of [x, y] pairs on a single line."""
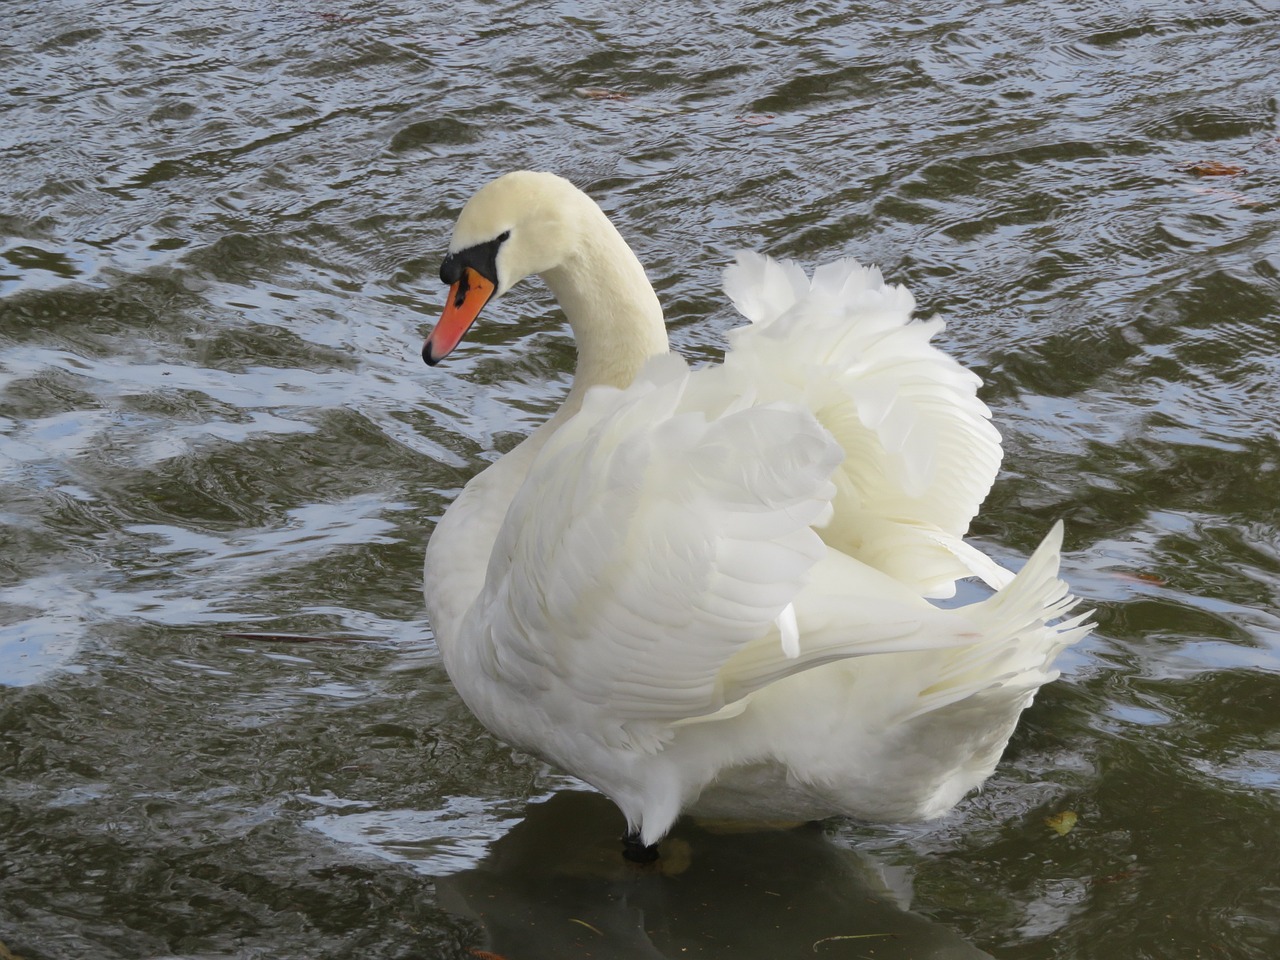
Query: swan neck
{"points": [[610, 305]]}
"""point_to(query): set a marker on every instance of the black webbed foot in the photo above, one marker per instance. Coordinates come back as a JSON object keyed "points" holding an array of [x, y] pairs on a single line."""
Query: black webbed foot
{"points": [[637, 852]]}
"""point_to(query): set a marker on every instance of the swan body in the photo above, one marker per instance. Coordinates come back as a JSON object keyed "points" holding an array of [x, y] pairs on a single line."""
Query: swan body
{"points": [[708, 591]]}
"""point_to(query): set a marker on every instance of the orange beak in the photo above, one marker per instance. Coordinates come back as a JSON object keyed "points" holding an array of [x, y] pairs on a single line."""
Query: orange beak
{"points": [[467, 298]]}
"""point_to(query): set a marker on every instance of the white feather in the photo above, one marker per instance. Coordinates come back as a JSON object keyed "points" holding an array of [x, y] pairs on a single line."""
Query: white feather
{"points": [[789, 631]]}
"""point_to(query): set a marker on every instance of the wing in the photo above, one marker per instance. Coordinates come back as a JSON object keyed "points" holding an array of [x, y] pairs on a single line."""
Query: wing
{"points": [[649, 543], [921, 453]]}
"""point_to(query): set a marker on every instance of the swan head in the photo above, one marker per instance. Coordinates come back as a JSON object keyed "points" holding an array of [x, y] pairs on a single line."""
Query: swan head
{"points": [[521, 224]]}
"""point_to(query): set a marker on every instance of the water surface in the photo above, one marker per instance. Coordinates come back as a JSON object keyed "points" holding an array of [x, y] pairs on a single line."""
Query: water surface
{"points": [[221, 225]]}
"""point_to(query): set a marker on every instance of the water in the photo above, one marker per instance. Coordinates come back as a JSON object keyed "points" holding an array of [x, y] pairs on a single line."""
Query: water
{"points": [[221, 228]]}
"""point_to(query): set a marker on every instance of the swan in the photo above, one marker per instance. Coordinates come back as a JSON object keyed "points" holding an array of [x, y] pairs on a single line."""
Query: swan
{"points": [[708, 591]]}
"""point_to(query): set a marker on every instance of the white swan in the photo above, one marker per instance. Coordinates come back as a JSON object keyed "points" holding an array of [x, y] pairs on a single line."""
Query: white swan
{"points": [[705, 591]]}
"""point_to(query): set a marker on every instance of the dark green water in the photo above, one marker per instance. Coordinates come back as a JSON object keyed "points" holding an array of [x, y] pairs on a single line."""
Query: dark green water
{"points": [[221, 226]]}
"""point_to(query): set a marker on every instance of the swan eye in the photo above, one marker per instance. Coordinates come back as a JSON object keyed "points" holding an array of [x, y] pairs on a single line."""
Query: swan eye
{"points": [[481, 257], [451, 269]]}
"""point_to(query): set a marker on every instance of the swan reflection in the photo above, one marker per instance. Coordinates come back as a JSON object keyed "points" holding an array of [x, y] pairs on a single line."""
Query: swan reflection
{"points": [[556, 886]]}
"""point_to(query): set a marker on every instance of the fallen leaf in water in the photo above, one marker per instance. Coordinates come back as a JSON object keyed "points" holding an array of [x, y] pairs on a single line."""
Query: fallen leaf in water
{"points": [[1062, 823], [583, 923], [600, 93], [485, 954], [1211, 168], [756, 119], [676, 857]]}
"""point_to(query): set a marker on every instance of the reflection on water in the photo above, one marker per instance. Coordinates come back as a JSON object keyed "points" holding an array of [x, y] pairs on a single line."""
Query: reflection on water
{"points": [[555, 887], [217, 256]]}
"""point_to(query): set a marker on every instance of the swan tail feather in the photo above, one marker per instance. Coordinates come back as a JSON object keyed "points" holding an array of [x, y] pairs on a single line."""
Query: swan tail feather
{"points": [[1024, 632]]}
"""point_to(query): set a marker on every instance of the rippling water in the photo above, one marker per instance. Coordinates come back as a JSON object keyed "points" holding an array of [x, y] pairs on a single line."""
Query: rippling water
{"points": [[221, 225]]}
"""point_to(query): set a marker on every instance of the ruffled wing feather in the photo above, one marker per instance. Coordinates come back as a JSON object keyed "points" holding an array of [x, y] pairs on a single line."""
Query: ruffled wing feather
{"points": [[921, 453], [649, 543]]}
